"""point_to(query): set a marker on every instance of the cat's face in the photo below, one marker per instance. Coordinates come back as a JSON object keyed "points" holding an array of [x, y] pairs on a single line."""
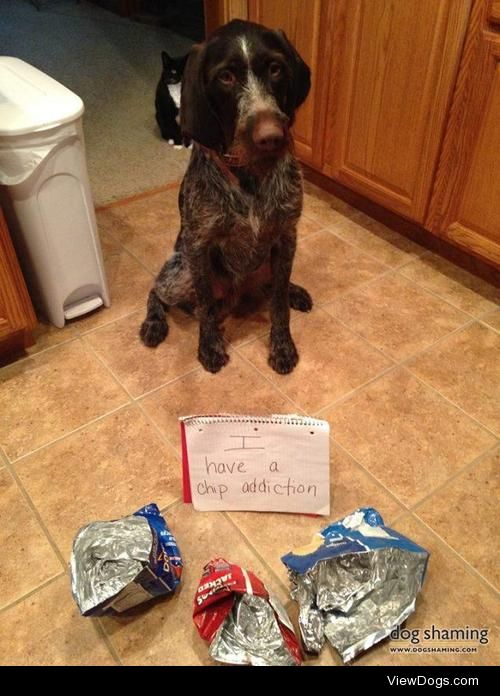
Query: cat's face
{"points": [[172, 68]]}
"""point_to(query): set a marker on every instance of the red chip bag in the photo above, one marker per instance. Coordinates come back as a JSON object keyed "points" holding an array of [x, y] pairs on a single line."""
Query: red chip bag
{"points": [[243, 623]]}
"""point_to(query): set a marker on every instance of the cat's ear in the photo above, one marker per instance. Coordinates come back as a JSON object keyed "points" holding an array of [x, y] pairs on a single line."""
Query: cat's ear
{"points": [[165, 59], [198, 119]]}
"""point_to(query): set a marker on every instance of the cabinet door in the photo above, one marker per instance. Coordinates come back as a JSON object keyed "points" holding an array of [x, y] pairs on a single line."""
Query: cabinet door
{"points": [[16, 312], [393, 71], [465, 207], [300, 20]]}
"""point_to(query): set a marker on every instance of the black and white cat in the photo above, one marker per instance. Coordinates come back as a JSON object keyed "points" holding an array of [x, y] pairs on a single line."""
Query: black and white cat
{"points": [[168, 99]]}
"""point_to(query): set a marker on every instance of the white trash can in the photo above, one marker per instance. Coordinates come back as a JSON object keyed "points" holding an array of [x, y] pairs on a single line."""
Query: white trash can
{"points": [[46, 193]]}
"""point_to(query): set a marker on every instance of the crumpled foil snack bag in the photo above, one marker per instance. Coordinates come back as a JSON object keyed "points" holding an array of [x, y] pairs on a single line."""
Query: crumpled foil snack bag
{"points": [[244, 624], [119, 564], [355, 583]]}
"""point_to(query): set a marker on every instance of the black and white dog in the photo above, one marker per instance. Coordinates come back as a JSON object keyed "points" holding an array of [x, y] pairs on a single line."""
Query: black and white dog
{"points": [[241, 196]]}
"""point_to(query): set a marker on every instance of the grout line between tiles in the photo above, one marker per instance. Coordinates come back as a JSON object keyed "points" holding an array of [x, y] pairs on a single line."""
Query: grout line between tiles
{"points": [[372, 476], [431, 346], [398, 518], [136, 401], [401, 364], [412, 259], [254, 551], [29, 594], [107, 640], [477, 460], [269, 381], [71, 432], [460, 558], [162, 435], [487, 313], [136, 258], [453, 476], [391, 368], [171, 381], [171, 505], [24, 358], [396, 270], [353, 392], [388, 269], [86, 332], [452, 403], [295, 316], [31, 505], [363, 338], [3, 457], [436, 295], [363, 251], [259, 336], [403, 361], [488, 326], [324, 308], [79, 334]]}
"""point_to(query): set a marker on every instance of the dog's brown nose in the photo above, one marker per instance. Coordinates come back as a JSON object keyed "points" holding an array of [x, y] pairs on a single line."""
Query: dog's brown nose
{"points": [[268, 135]]}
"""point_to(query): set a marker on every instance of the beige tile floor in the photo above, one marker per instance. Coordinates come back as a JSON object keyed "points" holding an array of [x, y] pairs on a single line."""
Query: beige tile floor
{"points": [[401, 354]]}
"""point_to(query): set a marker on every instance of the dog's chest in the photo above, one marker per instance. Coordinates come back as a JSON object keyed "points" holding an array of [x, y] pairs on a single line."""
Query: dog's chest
{"points": [[243, 222], [245, 241]]}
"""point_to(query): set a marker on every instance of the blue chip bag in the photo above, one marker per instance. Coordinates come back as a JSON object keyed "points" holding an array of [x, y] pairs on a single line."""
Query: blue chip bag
{"points": [[355, 583]]}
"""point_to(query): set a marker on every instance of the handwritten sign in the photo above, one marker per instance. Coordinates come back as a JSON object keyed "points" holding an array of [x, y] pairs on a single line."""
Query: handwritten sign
{"points": [[276, 464]]}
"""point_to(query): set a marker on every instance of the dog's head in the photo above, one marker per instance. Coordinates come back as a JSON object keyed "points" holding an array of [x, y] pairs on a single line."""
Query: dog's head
{"points": [[241, 89]]}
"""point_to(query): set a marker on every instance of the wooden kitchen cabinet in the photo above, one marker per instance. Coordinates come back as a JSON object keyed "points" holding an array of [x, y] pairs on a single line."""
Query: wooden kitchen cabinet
{"points": [[17, 318], [465, 207], [392, 75], [404, 107]]}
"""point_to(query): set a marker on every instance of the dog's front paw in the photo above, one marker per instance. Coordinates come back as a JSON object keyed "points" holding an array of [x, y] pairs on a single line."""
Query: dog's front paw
{"points": [[153, 332], [283, 356], [300, 299], [213, 357]]}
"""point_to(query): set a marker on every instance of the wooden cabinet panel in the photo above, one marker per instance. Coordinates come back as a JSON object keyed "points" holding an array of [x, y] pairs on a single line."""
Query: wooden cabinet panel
{"points": [[465, 204], [300, 20], [16, 312], [393, 71], [218, 12], [494, 12]]}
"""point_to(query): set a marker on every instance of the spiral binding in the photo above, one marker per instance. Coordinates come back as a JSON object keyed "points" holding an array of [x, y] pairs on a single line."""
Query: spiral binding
{"points": [[274, 419]]}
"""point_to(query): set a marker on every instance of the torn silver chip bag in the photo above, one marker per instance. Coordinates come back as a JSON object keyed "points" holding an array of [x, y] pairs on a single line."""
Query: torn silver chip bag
{"points": [[119, 564], [355, 583]]}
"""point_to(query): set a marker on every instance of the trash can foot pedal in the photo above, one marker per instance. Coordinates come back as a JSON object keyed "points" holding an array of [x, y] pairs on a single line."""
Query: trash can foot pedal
{"points": [[82, 307]]}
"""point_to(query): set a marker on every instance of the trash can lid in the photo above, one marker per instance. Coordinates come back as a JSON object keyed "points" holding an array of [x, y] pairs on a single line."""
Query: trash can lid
{"points": [[31, 101]]}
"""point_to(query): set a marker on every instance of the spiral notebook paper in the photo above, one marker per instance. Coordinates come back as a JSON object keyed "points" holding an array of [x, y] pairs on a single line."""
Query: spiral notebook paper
{"points": [[279, 463]]}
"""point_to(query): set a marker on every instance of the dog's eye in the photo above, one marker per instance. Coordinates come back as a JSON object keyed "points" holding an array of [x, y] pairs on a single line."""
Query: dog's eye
{"points": [[275, 70], [227, 78]]}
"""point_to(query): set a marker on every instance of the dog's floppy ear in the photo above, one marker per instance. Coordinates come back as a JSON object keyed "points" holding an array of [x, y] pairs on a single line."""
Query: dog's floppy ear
{"points": [[165, 59], [198, 120], [182, 62], [300, 71]]}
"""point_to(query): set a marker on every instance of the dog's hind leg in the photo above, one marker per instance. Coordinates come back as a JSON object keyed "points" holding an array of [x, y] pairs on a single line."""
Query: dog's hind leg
{"points": [[299, 298], [172, 287], [154, 328]]}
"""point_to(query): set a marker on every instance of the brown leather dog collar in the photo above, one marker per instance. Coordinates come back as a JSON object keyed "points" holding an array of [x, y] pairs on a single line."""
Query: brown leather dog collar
{"points": [[224, 162]]}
